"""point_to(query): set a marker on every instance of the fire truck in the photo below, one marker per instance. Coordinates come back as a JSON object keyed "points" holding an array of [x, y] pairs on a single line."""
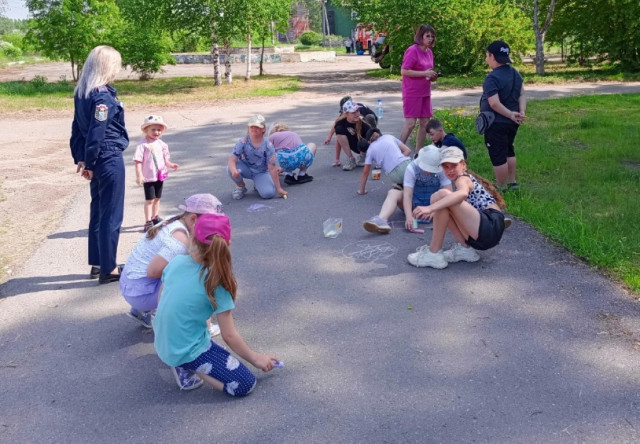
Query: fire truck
{"points": [[366, 38]]}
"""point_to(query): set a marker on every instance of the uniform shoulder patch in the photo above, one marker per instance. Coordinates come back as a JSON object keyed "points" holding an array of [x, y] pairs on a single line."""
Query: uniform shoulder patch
{"points": [[102, 111]]}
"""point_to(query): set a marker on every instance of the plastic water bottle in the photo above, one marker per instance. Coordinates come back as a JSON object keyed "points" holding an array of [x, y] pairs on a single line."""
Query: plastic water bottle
{"points": [[380, 110]]}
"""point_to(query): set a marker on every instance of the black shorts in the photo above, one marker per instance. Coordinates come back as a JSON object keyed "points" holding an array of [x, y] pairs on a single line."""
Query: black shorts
{"points": [[499, 141], [490, 231], [153, 190]]}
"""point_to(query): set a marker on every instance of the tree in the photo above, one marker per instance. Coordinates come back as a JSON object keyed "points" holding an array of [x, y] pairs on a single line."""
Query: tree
{"points": [[464, 28], [69, 29], [606, 29], [147, 45], [540, 30]]}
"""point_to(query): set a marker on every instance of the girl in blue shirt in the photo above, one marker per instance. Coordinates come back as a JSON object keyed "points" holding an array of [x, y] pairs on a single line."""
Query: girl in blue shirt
{"points": [[195, 287]]}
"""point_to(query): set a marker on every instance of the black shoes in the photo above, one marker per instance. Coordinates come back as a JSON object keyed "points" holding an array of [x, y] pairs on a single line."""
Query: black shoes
{"points": [[111, 277], [291, 180], [107, 279], [304, 179], [94, 273]]}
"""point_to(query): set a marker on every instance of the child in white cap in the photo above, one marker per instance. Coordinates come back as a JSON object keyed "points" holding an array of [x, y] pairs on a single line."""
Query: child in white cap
{"points": [[254, 157], [422, 178], [140, 279], [152, 159]]}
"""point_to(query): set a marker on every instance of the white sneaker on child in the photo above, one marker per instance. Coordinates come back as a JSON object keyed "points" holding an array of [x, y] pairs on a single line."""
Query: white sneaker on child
{"points": [[425, 258], [460, 253]]}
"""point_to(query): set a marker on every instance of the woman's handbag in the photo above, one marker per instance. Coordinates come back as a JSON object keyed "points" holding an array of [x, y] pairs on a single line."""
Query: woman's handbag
{"points": [[163, 173], [484, 121]]}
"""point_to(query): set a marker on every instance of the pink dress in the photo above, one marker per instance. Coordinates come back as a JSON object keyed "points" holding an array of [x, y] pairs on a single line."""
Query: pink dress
{"points": [[416, 91]]}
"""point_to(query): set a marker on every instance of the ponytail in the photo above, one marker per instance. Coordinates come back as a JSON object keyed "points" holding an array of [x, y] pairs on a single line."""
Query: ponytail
{"points": [[216, 267], [490, 188], [153, 231]]}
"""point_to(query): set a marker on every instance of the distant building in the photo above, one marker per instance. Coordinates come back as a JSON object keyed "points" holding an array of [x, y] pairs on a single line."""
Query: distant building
{"points": [[341, 21]]}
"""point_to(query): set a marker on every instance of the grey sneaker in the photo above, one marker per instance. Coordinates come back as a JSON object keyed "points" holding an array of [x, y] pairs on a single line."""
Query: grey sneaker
{"points": [[143, 317], [425, 258], [214, 330], [187, 380], [377, 225], [239, 193], [361, 158], [351, 164], [460, 253]]}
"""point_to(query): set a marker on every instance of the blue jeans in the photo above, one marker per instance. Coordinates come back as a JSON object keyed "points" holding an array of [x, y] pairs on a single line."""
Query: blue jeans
{"points": [[262, 181]]}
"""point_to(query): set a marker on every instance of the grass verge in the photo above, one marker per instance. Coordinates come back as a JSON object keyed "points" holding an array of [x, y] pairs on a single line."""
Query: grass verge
{"points": [[38, 94], [579, 175]]}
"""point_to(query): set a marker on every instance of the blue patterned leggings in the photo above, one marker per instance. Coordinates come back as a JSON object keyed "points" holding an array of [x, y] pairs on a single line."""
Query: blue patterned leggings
{"points": [[221, 365]]}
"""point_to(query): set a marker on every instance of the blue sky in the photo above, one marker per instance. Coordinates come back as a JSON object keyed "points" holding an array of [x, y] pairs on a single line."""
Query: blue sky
{"points": [[16, 10]]}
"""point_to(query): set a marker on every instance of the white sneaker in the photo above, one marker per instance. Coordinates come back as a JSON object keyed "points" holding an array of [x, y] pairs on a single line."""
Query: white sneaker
{"points": [[361, 159], [214, 330], [460, 253], [238, 193], [351, 164], [377, 225], [425, 258]]}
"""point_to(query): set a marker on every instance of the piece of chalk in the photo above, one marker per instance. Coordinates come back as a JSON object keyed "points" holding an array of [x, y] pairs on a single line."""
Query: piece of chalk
{"points": [[284, 197], [417, 230], [278, 364]]}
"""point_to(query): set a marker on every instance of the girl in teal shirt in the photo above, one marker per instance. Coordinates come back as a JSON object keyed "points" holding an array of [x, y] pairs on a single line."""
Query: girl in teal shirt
{"points": [[195, 287]]}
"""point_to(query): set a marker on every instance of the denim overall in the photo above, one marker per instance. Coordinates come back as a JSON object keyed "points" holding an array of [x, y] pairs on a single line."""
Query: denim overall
{"points": [[426, 185]]}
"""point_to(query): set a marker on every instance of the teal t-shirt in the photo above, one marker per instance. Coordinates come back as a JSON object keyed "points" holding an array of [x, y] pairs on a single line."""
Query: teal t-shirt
{"points": [[180, 324]]}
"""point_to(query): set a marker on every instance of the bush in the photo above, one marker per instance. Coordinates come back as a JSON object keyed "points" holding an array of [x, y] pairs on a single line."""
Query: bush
{"points": [[15, 38], [10, 51], [310, 38]]}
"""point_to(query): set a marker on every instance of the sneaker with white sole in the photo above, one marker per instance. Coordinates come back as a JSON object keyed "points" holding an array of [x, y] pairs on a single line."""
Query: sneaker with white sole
{"points": [[239, 193], [214, 330], [143, 317], [460, 253], [361, 158], [351, 164], [425, 258], [377, 225], [186, 379]]}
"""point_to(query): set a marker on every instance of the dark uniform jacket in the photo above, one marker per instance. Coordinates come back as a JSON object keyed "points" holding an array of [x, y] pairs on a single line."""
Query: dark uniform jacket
{"points": [[98, 130]]}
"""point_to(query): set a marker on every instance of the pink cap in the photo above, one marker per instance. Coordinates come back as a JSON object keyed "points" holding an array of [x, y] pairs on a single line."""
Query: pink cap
{"points": [[202, 204], [211, 224]]}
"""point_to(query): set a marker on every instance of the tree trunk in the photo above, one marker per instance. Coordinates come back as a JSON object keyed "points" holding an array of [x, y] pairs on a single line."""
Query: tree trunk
{"points": [[247, 76], [262, 58], [215, 56], [227, 61], [540, 32]]}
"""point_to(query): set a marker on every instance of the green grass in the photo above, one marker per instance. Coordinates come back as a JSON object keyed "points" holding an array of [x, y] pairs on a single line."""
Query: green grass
{"points": [[554, 73], [38, 94], [579, 171]]}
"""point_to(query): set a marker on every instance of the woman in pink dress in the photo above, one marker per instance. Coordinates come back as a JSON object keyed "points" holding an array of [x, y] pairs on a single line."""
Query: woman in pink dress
{"points": [[417, 75]]}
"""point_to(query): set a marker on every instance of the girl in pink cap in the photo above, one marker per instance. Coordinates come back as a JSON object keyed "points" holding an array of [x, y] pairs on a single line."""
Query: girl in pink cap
{"points": [[195, 287], [140, 281]]}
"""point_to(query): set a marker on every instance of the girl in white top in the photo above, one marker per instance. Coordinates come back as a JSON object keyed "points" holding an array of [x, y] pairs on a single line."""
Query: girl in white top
{"points": [[140, 281]]}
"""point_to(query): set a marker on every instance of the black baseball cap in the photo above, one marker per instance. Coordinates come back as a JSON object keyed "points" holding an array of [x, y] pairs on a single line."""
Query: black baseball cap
{"points": [[500, 51]]}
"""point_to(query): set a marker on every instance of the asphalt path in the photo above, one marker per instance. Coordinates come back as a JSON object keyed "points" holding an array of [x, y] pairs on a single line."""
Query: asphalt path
{"points": [[526, 345]]}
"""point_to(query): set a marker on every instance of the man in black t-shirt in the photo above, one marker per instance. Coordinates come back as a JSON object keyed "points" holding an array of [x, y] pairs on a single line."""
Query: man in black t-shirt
{"points": [[503, 93]]}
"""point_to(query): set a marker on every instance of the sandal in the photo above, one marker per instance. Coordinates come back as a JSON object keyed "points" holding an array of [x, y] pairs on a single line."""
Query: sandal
{"points": [[336, 163]]}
